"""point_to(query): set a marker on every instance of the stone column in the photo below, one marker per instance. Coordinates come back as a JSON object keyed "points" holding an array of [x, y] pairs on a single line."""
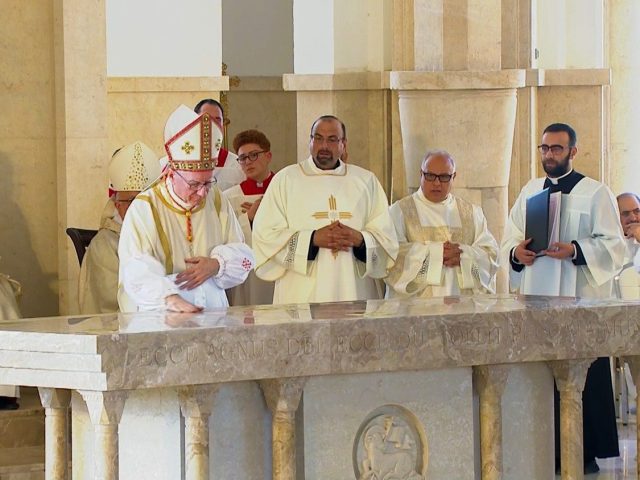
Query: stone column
{"points": [[624, 60], [283, 397], [570, 376], [105, 410], [196, 404], [490, 381], [56, 409], [80, 56], [634, 365]]}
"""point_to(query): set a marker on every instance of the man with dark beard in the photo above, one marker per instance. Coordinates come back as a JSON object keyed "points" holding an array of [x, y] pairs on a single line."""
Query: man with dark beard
{"points": [[323, 231], [582, 264]]}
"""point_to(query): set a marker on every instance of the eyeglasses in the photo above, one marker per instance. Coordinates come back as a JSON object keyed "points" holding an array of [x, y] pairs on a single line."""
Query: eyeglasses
{"points": [[628, 213], [196, 186], [319, 139], [249, 157], [555, 149], [444, 178]]}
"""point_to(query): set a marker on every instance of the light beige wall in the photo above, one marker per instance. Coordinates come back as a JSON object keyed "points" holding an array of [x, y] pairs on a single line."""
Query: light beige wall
{"points": [[261, 103], [28, 217]]}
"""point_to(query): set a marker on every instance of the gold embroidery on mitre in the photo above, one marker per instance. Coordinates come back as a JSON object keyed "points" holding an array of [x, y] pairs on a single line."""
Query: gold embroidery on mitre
{"points": [[332, 214], [138, 177], [187, 147]]}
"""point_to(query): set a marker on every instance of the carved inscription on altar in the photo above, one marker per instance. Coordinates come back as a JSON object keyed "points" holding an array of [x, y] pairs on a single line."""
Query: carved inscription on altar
{"points": [[390, 444]]}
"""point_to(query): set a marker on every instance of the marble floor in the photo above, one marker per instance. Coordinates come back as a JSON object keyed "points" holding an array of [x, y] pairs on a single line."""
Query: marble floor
{"points": [[624, 466]]}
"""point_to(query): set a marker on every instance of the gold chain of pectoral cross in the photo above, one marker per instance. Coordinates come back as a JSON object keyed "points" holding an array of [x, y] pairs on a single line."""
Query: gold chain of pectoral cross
{"points": [[333, 215]]}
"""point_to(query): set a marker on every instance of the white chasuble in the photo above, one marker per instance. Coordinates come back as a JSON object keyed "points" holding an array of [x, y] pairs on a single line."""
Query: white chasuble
{"points": [[422, 227], [154, 245], [303, 198], [98, 282], [254, 291], [9, 311], [589, 216]]}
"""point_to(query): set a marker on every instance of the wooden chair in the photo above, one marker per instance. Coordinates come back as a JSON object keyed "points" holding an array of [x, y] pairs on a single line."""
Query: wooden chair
{"points": [[81, 239]]}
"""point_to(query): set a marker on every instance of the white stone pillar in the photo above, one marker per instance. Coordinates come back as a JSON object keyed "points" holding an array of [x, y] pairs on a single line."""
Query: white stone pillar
{"points": [[634, 365], [624, 61], [196, 404], [570, 377], [56, 410], [283, 397], [489, 381], [105, 410], [81, 129]]}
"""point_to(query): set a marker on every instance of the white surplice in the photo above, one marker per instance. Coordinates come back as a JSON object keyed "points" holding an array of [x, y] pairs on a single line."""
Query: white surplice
{"points": [[230, 173], [98, 282], [154, 245], [422, 228], [588, 215], [254, 291], [9, 311], [303, 198]]}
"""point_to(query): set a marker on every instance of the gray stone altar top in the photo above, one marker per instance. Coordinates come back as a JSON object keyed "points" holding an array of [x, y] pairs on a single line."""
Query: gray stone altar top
{"points": [[162, 349]]}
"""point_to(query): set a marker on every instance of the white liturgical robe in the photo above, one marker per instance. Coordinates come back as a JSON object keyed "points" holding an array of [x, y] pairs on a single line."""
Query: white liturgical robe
{"points": [[303, 198], [422, 227], [154, 245], [98, 283], [588, 216], [254, 291], [9, 311]]}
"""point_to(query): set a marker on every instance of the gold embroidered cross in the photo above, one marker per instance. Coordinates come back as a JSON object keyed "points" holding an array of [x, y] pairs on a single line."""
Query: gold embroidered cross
{"points": [[332, 214], [187, 147]]}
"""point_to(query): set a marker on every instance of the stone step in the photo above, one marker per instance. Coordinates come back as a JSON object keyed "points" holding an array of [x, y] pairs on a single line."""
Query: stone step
{"points": [[23, 427]]}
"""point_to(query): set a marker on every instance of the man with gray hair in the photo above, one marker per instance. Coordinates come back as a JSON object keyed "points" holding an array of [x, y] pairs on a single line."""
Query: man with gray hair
{"points": [[445, 246], [629, 207]]}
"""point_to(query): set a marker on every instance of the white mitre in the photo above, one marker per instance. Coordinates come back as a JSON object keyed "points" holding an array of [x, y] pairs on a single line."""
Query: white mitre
{"points": [[192, 141], [133, 168]]}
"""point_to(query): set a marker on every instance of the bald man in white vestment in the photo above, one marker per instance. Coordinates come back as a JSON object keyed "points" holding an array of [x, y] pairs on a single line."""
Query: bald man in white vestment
{"points": [[323, 231], [181, 244], [445, 245], [131, 169]]}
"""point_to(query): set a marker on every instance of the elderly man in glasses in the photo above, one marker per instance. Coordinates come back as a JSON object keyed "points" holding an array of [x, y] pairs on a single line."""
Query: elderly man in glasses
{"points": [[445, 246], [254, 156], [583, 263], [323, 231], [132, 168], [181, 244]]}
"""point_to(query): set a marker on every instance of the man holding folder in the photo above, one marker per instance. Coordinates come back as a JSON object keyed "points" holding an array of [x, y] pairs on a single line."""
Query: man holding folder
{"points": [[583, 263]]}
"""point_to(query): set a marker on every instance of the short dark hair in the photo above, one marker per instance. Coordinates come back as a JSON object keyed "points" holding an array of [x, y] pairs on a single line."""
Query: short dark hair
{"points": [[251, 136], [323, 118], [563, 127], [208, 101]]}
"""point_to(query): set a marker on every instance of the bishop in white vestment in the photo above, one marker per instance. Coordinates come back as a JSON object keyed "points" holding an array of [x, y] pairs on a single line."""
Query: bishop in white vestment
{"points": [[181, 244], [430, 224], [323, 231], [131, 169]]}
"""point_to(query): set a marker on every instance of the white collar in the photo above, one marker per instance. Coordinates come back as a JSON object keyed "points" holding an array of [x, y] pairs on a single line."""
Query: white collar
{"points": [[555, 180]]}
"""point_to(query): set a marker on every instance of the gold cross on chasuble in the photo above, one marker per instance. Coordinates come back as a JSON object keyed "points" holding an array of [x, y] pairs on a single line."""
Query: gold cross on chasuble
{"points": [[332, 214]]}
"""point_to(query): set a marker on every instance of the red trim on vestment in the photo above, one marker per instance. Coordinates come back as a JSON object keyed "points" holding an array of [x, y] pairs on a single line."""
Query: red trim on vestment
{"points": [[251, 187]]}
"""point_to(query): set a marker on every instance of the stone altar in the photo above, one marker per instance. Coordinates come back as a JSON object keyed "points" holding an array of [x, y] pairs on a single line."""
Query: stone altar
{"points": [[436, 388]]}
